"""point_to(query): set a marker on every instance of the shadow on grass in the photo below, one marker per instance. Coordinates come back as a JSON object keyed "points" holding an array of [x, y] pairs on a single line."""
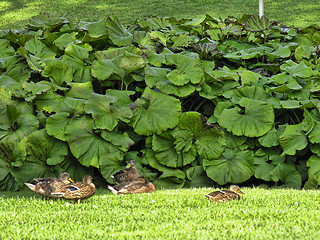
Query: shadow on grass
{"points": [[32, 195]]}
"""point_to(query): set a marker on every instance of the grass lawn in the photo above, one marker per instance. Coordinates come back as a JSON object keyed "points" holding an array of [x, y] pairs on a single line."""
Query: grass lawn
{"points": [[164, 214], [15, 14]]}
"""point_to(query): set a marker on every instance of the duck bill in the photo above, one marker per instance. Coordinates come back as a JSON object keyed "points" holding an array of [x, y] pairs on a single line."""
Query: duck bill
{"points": [[70, 180], [128, 165]]}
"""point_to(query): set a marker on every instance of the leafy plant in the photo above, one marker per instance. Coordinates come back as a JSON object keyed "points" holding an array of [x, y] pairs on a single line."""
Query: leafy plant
{"points": [[193, 101]]}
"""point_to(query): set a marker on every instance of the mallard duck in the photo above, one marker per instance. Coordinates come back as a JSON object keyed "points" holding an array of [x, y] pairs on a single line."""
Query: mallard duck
{"points": [[128, 174], [140, 185], [45, 186], [76, 190], [234, 193]]}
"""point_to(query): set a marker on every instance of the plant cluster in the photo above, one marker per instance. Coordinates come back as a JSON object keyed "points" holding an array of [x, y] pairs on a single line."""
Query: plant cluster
{"points": [[193, 101]]}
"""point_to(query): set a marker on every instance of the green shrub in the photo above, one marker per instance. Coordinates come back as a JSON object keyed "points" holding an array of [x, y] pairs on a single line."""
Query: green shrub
{"points": [[193, 101]]}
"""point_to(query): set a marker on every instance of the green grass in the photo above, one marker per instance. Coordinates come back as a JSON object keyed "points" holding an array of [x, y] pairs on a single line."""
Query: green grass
{"points": [[15, 14], [164, 214]]}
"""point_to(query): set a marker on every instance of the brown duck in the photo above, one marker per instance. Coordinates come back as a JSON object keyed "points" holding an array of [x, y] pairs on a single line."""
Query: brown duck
{"points": [[140, 185], [128, 174], [234, 193], [45, 186], [77, 190]]}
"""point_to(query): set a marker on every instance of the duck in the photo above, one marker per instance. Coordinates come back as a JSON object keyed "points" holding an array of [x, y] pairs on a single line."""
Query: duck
{"points": [[76, 190], [128, 174], [139, 185], [234, 193], [45, 186]]}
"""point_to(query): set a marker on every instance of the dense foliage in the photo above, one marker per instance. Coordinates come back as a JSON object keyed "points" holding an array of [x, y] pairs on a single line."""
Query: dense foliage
{"points": [[193, 101]]}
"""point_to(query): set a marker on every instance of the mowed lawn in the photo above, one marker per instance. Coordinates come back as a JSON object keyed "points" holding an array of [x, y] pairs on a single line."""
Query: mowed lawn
{"points": [[164, 214], [15, 14]]}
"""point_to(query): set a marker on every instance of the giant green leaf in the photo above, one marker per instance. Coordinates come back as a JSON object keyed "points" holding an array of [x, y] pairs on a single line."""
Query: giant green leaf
{"points": [[170, 178], [14, 126], [157, 77], [56, 125], [293, 139], [166, 152], [39, 49], [187, 70], [117, 33], [265, 161], [5, 49], [77, 56], [58, 72], [256, 120], [314, 167], [95, 29], [14, 73], [65, 39], [12, 155], [131, 62], [209, 140], [287, 174], [197, 177], [106, 111], [94, 147], [44, 153], [53, 102], [297, 70], [270, 139], [44, 148], [102, 69], [232, 166], [155, 112], [250, 92]]}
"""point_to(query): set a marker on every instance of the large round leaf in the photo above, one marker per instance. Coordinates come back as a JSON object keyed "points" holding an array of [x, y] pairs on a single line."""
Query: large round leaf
{"points": [[314, 167], [102, 69], [287, 174], [117, 33], [155, 112], [232, 166], [188, 69], [45, 148], [170, 178], [256, 120], [44, 154], [12, 155], [197, 177], [58, 72], [14, 126], [265, 161], [167, 154], [208, 139], [56, 125], [250, 92], [77, 57], [293, 139], [94, 147], [157, 77], [53, 102], [106, 111]]}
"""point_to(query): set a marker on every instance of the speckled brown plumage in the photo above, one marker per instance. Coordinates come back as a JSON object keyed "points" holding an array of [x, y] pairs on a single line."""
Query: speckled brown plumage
{"points": [[45, 186], [140, 185], [128, 174], [234, 193], [77, 190]]}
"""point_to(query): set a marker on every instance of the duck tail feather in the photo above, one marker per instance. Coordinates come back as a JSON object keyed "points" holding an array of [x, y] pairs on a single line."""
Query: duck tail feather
{"points": [[31, 186], [113, 190]]}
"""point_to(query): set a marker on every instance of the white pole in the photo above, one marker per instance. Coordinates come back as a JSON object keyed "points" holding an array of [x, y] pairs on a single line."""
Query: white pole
{"points": [[260, 8]]}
